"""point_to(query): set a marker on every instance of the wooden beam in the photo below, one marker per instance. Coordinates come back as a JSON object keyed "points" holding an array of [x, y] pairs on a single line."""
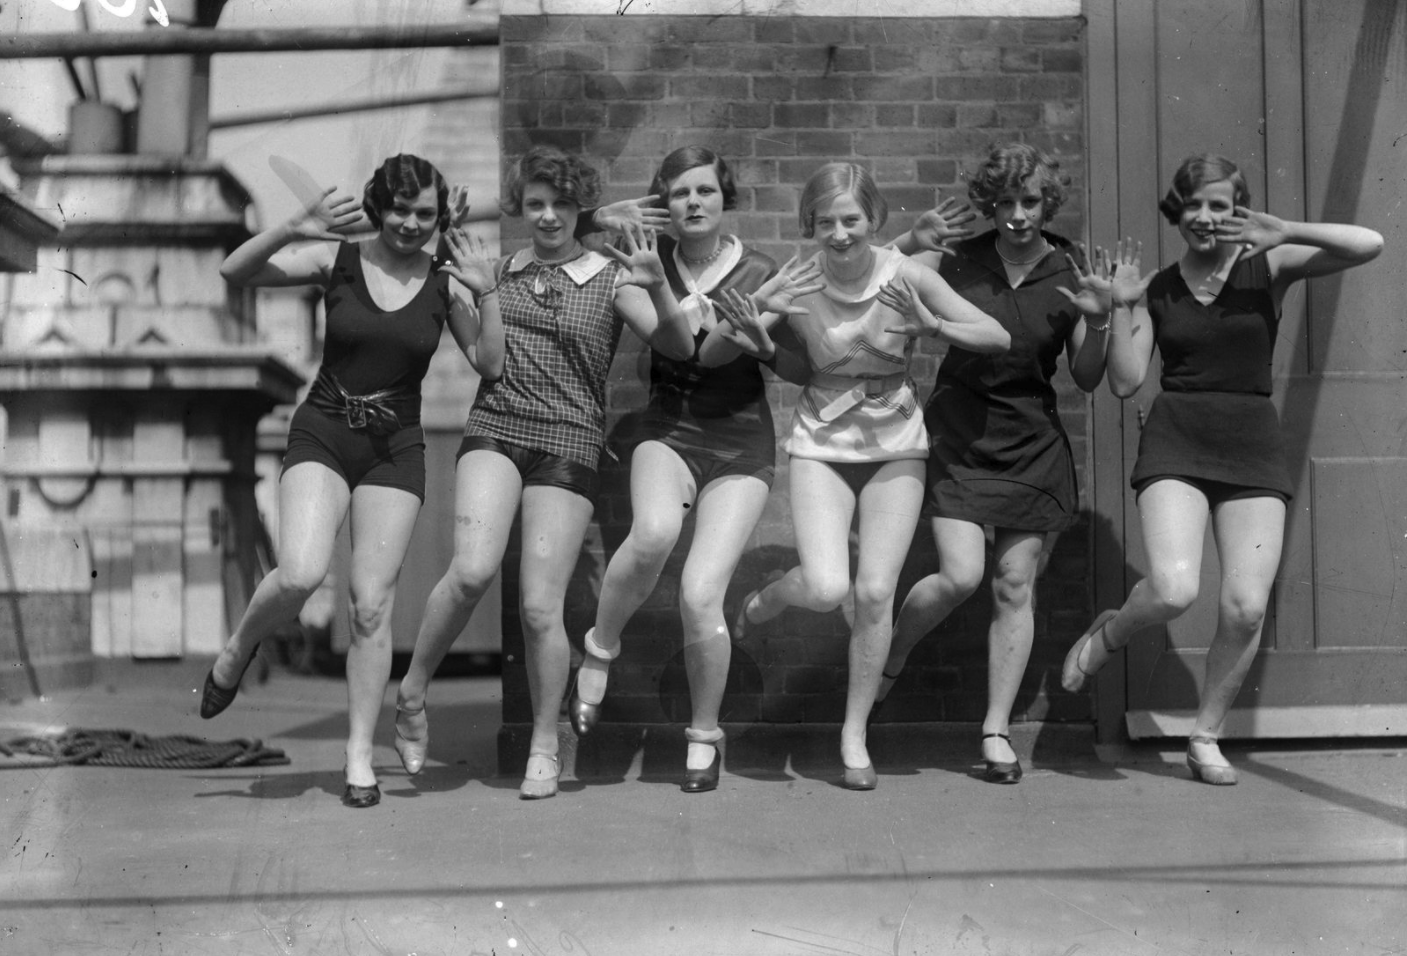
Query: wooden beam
{"points": [[481, 30]]}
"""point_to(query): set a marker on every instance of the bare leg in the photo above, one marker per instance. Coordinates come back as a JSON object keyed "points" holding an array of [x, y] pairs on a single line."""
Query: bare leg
{"points": [[487, 492], [889, 509], [1249, 535], [1174, 518], [382, 522], [1017, 556], [962, 554], [312, 503], [728, 509], [554, 524]]}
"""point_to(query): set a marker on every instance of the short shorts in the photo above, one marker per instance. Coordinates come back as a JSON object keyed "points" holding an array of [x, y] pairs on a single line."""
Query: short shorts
{"points": [[537, 467], [396, 460]]}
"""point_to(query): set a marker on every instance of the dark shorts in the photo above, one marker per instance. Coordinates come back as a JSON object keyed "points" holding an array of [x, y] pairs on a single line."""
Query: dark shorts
{"points": [[856, 474], [536, 467], [1216, 491], [396, 460], [705, 468]]}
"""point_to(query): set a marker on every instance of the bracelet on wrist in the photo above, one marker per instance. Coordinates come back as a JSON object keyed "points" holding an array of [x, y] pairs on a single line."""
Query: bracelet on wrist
{"points": [[1098, 328]]}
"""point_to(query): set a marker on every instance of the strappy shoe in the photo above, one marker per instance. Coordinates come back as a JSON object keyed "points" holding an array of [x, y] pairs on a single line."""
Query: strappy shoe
{"points": [[540, 781], [584, 714], [702, 781], [214, 699], [1072, 675], [1001, 771], [1216, 774], [412, 750]]}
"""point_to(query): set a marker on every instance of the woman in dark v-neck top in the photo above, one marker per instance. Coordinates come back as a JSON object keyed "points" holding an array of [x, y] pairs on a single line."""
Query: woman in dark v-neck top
{"points": [[1212, 445]]}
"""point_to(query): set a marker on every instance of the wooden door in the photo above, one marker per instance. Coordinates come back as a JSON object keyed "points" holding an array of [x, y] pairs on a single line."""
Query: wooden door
{"points": [[1308, 96]]}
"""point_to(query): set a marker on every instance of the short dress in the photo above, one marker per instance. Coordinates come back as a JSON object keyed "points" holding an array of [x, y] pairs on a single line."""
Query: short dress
{"points": [[716, 415], [1000, 455], [362, 415], [1214, 420], [861, 404], [560, 331]]}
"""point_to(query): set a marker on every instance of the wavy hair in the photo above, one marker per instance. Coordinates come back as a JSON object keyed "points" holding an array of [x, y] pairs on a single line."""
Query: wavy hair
{"points": [[686, 158], [404, 175], [1196, 172], [574, 178], [1010, 167]]}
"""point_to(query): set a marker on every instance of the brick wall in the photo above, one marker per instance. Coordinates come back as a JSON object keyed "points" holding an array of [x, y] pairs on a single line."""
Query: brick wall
{"points": [[915, 100]]}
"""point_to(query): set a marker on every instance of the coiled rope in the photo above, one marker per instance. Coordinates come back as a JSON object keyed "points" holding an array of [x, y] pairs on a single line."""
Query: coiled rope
{"points": [[126, 748]]}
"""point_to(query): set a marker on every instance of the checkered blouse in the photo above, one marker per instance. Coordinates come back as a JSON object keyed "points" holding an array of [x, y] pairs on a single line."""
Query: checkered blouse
{"points": [[562, 329]]}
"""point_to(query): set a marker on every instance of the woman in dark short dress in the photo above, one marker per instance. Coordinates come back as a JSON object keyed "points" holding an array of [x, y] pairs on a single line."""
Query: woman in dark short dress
{"points": [[1000, 457], [1212, 445]]}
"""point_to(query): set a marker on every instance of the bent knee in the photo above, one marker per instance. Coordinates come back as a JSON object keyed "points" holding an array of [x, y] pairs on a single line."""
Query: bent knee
{"points": [[468, 579], [1176, 593], [1244, 612], [1012, 593]]}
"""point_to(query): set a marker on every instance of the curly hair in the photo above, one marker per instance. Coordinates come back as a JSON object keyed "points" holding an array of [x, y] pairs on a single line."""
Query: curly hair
{"points": [[686, 158], [574, 178], [1196, 172], [838, 179], [404, 175], [1011, 167]]}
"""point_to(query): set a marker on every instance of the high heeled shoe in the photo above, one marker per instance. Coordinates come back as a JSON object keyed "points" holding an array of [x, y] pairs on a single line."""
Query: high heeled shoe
{"points": [[214, 698], [1001, 771], [584, 715], [702, 781], [1072, 675], [1218, 775], [543, 785], [411, 750]]}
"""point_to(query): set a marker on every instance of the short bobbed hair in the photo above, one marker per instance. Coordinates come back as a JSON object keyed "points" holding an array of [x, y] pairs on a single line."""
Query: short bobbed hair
{"points": [[574, 178], [404, 175], [1196, 172], [839, 179], [686, 158], [1011, 167]]}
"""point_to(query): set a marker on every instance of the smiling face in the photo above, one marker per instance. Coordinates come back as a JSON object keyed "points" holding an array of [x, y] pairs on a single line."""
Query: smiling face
{"points": [[1019, 215], [1203, 211], [409, 222], [843, 231], [695, 202], [551, 219]]}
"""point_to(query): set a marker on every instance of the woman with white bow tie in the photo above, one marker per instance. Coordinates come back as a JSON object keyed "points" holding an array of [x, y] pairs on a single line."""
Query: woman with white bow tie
{"points": [[708, 448]]}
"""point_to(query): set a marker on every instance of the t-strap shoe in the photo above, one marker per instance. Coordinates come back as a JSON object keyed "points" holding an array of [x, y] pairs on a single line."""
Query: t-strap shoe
{"points": [[540, 781], [1000, 771], [1216, 774]]}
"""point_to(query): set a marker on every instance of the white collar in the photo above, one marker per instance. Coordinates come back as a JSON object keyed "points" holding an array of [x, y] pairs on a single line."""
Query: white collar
{"points": [[716, 270], [580, 270]]}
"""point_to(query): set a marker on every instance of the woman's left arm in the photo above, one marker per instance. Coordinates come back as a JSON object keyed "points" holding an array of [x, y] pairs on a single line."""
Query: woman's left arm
{"points": [[959, 321], [1300, 250], [477, 331], [1089, 337], [643, 298]]}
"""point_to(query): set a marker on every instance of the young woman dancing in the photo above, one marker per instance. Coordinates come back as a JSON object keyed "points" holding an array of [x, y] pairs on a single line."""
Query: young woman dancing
{"points": [[857, 438], [534, 437], [708, 449], [356, 442], [1212, 444], [1000, 455]]}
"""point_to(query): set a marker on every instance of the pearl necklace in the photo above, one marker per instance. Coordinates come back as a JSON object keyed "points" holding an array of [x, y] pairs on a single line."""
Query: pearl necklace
{"points": [[557, 262], [1023, 262], [702, 260]]}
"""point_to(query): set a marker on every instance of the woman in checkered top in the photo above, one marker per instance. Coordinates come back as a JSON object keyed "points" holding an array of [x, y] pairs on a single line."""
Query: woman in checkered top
{"points": [[534, 437]]}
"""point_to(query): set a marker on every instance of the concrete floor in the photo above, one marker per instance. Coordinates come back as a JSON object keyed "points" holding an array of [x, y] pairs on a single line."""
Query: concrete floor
{"points": [[1308, 855]]}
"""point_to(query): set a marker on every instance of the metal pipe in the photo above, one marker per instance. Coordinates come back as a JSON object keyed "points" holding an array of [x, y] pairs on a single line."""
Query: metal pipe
{"points": [[480, 30], [485, 90]]}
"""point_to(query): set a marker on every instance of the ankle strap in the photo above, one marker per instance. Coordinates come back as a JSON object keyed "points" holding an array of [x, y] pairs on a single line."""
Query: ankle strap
{"points": [[1006, 737], [696, 736], [596, 650]]}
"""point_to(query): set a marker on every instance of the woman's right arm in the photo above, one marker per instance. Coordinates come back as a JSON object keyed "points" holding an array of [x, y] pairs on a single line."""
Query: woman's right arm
{"points": [[265, 261], [1130, 347]]}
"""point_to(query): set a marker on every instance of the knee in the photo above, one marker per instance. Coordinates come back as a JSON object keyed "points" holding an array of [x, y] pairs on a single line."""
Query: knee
{"points": [[297, 578], [1012, 592], [468, 579], [1174, 592], [698, 598], [540, 613], [371, 610], [873, 594], [825, 591], [653, 539], [1245, 613], [964, 579]]}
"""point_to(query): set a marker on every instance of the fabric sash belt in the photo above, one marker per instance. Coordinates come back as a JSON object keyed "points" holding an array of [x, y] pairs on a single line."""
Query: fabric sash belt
{"points": [[856, 390]]}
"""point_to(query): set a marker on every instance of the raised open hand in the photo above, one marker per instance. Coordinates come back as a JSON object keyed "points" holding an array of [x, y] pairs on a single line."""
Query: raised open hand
{"points": [[328, 216], [470, 262], [938, 228], [901, 296], [1259, 232], [641, 259], [742, 325], [1095, 288], [641, 212], [458, 206], [1128, 286], [793, 280]]}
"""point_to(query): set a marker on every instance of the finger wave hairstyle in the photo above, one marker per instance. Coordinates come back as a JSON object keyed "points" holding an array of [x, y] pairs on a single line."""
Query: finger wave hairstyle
{"points": [[403, 175], [1010, 167], [686, 158], [839, 179], [1196, 172], [574, 178]]}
